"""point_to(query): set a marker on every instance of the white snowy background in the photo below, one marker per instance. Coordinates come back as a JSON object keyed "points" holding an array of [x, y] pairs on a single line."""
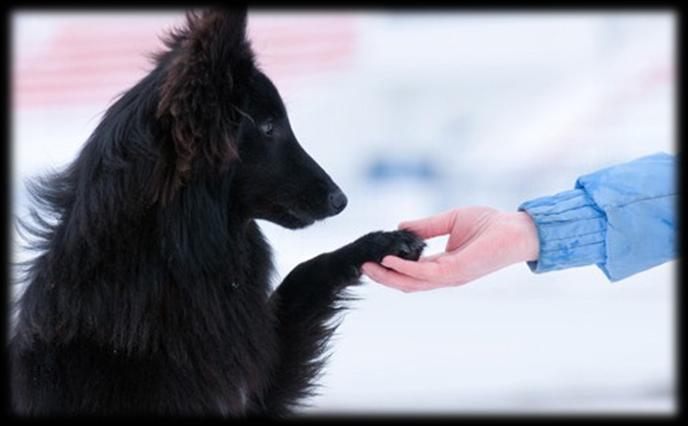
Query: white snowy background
{"points": [[413, 114]]}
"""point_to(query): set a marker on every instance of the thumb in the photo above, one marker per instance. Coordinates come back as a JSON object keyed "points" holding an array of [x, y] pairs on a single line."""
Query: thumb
{"points": [[432, 226]]}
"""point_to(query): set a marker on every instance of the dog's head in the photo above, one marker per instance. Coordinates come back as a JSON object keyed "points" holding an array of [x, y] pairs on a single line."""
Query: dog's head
{"points": [[221, 119]]}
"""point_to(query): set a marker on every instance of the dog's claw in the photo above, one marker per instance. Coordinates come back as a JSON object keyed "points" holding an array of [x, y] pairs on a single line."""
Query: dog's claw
{"points": [[376, 245]]}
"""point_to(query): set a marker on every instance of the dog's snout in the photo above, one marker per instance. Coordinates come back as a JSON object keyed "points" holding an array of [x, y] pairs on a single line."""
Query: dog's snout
{"points": [[337, 201]]}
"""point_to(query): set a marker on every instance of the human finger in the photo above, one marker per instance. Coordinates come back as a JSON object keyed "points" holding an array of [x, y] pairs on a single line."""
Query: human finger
{"points": [[426, 271], [432, 226], [391, 278]]}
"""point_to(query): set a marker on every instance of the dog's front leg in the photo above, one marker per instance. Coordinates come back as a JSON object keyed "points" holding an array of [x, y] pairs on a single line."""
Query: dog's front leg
{"points": [[305, 303]]}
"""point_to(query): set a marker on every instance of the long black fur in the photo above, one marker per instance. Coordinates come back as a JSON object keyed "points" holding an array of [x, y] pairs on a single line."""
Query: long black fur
{"points": [[150, 291]]}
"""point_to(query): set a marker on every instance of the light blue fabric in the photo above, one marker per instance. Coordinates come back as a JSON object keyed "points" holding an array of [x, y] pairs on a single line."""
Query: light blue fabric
{"points": [[622, 218]]}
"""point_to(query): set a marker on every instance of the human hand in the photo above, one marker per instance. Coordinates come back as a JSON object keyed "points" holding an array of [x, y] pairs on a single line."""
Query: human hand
{"points": [[481, 240]]}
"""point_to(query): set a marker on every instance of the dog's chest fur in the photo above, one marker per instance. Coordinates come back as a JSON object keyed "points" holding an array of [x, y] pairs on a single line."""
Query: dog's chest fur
{"points": [[248, 337]]}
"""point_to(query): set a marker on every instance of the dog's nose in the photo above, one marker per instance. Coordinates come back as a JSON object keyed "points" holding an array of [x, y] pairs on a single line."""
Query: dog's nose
{"points": [[337, 201]]}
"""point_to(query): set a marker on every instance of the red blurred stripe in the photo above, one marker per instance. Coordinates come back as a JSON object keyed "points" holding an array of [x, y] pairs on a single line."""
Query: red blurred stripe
{"points": [[86, 64]]}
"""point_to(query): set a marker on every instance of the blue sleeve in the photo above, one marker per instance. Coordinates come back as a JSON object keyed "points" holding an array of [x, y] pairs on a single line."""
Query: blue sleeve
{"points": [[622, 218]]}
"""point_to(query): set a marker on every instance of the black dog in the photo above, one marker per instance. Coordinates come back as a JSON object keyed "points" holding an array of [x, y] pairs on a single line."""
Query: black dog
{"points": [[150, 293]]}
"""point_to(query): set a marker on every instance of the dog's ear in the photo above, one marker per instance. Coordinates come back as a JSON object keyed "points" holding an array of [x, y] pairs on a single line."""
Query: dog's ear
{"points": [[205, 75]]}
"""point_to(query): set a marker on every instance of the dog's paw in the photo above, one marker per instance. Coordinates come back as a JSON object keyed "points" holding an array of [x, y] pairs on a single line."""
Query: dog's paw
{"points": [[376, 245]]}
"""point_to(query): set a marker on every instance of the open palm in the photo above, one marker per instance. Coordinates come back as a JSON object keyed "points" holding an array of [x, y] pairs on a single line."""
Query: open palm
{"points": [[481, 240]]}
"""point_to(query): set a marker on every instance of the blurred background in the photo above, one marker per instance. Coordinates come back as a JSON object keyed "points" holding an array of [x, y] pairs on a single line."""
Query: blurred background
{"points": [[413, 114]]}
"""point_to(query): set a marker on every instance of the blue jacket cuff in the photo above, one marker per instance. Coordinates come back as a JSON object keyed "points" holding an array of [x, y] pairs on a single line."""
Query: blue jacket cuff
{"points": [[571, 230]]}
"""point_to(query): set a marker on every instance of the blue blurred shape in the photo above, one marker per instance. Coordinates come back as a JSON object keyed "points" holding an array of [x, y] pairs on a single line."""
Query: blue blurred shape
{"points": [[385, 168]]}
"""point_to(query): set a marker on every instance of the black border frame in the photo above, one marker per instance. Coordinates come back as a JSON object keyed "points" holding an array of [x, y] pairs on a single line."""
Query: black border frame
{"points": [[6, 193]]}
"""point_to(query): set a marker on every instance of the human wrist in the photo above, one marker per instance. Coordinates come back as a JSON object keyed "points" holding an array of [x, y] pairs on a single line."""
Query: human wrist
{"points": [[519, 237], [529, 246]]}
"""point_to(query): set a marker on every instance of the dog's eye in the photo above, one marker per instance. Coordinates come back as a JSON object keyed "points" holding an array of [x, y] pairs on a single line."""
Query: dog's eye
{"points": [[266, 127]]}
